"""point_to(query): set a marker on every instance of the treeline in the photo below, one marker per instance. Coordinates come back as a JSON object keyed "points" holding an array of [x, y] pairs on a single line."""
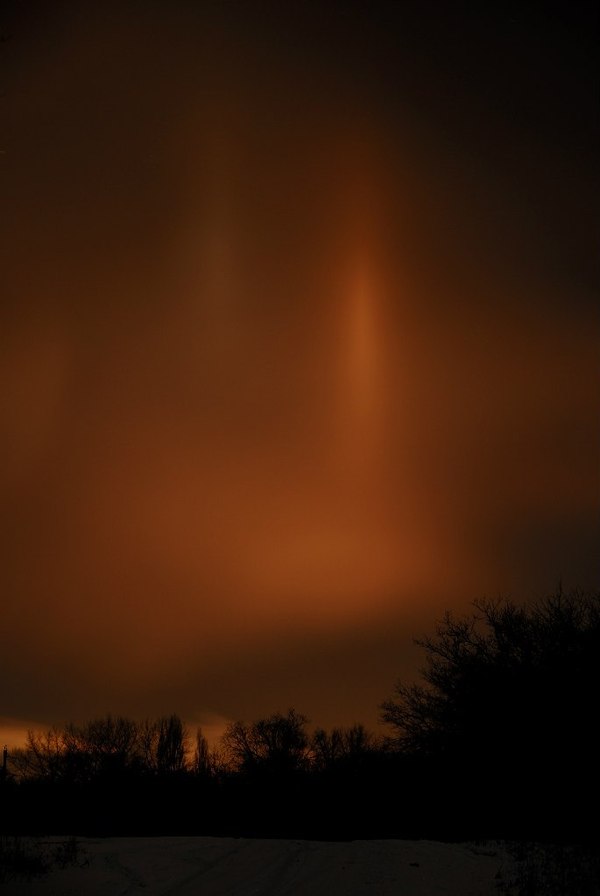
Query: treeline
{"points": [[500, 739], [119, 747], [114, 775]]}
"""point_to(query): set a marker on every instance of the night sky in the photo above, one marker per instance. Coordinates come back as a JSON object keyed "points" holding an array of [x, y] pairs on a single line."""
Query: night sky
{"points": [[298, 344]]}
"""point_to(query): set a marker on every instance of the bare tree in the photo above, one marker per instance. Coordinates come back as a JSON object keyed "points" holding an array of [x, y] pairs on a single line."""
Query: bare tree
{"points": [[277, 744], [171, 746], [341, 745], [203, 766], [505, 681], [42, 756], [163, 745]]}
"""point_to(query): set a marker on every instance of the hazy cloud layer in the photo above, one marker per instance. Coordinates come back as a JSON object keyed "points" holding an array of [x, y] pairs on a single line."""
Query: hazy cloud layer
{"points": [[298, 348]]}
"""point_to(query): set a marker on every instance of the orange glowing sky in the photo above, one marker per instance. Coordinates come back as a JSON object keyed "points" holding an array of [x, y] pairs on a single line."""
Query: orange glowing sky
{"points": [[298, 346]]}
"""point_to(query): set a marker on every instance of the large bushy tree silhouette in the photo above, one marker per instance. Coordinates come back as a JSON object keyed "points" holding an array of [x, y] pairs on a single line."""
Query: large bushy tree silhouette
{"points": [[505, 678], [508, 705]]}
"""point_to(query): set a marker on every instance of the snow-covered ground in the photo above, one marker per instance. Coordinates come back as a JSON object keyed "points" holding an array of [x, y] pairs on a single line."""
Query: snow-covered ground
{"points": [[210, 866]]}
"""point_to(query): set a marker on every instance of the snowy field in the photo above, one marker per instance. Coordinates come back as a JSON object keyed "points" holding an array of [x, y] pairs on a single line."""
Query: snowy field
{"points": [[210, 866]]}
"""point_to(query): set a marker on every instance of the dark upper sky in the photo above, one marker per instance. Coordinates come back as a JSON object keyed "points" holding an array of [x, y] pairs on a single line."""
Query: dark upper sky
{"points": [[298, 343]]}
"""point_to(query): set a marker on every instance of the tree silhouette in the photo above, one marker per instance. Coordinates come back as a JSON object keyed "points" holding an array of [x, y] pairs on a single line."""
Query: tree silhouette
{"points": [[43, 756], [203, 765], [509, 696], [275, 745], [171, 746], [107, 747], [341, 747], [505, 676]]}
